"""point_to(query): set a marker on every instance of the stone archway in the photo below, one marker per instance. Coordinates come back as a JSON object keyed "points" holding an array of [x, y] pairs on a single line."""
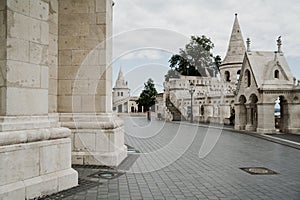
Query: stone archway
{"points": [[281, 121]]}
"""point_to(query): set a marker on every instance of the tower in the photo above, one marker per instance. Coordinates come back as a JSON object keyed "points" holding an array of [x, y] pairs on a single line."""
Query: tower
{"points": [[121, 94], [231, 65]]}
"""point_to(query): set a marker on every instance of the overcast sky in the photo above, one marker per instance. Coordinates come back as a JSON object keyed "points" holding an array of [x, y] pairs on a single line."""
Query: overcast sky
{"points": [[148, 32]]}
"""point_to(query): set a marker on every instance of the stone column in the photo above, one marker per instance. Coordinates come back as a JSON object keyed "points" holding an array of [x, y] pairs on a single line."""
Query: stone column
{"points": [[85, 82], [254, 113], [292, 124], [224, 113], [35, 153], [250, 118], [208, 112], [237, 124], [240, 116], [265, 118]]}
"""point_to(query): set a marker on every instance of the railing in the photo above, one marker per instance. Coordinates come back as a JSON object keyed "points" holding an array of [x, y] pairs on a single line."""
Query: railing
{"points": [[177, 104]]}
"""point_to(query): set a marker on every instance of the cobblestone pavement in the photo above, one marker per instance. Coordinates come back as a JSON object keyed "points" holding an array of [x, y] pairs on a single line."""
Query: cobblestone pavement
{"points": [[172, 165]]}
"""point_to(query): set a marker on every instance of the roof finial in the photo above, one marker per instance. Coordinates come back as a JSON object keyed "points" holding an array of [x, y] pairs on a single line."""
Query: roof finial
{"points": [[279, 43], [120, 75], [235, 14], [248, 44]]}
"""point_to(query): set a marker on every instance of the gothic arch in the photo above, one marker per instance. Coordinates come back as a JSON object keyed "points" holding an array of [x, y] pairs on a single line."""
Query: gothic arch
{"points": [[238, 74], [227, 76], [276, 74], [247, 78], [284, 114], [242, 99]]}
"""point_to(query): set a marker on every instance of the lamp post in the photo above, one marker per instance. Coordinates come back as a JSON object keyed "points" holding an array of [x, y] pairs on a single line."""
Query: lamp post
{"points": [[192, 90]]}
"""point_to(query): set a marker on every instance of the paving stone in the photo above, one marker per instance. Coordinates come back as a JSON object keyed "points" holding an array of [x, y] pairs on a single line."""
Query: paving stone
{"points": [[217, 176]]}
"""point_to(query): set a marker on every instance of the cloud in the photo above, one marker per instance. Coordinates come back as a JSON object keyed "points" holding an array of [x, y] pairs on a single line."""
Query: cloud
{"points": [[143, 54], [144, 28], [147, 42], [261, 20]]}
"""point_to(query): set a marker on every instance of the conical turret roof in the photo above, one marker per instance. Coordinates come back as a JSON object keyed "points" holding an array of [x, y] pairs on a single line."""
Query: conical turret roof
{"points": [[120, 82], [236, 48], [120, 75]]}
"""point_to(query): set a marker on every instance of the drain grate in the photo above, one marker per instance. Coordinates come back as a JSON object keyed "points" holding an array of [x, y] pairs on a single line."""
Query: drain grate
{"points": [[107, 174], [132, 150], [93, 167], [258, 171], [83, 185]]}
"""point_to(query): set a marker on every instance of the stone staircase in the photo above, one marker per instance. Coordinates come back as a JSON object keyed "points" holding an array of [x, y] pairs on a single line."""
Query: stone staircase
{"points": [[177, 116]]}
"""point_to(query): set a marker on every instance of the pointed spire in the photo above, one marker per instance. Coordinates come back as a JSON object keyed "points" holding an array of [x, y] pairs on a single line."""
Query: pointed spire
{"points": [[120, 82], [279, 43], [236, 47], [248, 44], [120, 75]]}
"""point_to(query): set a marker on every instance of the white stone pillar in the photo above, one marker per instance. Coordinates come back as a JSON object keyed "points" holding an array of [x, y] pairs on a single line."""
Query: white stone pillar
{"points": [[240, 116], [293, 125], [225, 113], [85, 82], [265, 118], [250, 118], [237, 116], [35, 153]]}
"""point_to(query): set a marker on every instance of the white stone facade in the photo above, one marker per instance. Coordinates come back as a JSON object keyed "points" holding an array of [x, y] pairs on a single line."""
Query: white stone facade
{"points": [[213, 99], [122, 101], [265, 77], [246, 93], [85, 82], [55, 92], [121, 94]]}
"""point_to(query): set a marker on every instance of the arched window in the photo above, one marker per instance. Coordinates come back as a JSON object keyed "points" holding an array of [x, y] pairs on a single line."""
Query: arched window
{"points": [[227, 76], [238, 75], [118, 93], [276, 74], [202, 110], [247, 78], [121, 93]]}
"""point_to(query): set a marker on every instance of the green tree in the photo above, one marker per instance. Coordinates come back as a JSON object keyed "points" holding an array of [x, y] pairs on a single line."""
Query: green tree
{"points": [[147, 97], [172, 73], [196, 59]]}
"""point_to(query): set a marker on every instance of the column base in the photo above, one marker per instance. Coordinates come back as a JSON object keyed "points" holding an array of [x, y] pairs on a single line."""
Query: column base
{"points": [[250, 128], [239, 127], [40, 186], [265, 131], [293, 131], [36, 169], [96, 158], [97, 139]]}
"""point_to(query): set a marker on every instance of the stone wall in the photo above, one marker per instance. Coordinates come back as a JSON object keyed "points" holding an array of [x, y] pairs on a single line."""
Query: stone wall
{"points": [[85, 82], [35, 153], [84, 74], [26, 59], [53, 55]]}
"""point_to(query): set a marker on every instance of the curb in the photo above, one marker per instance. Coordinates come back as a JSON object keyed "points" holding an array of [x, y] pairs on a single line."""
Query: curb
{"points": [[269, 138]]}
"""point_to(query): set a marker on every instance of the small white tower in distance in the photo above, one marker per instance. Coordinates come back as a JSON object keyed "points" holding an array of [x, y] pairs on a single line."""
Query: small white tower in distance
{"points": [[121, 94]]}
